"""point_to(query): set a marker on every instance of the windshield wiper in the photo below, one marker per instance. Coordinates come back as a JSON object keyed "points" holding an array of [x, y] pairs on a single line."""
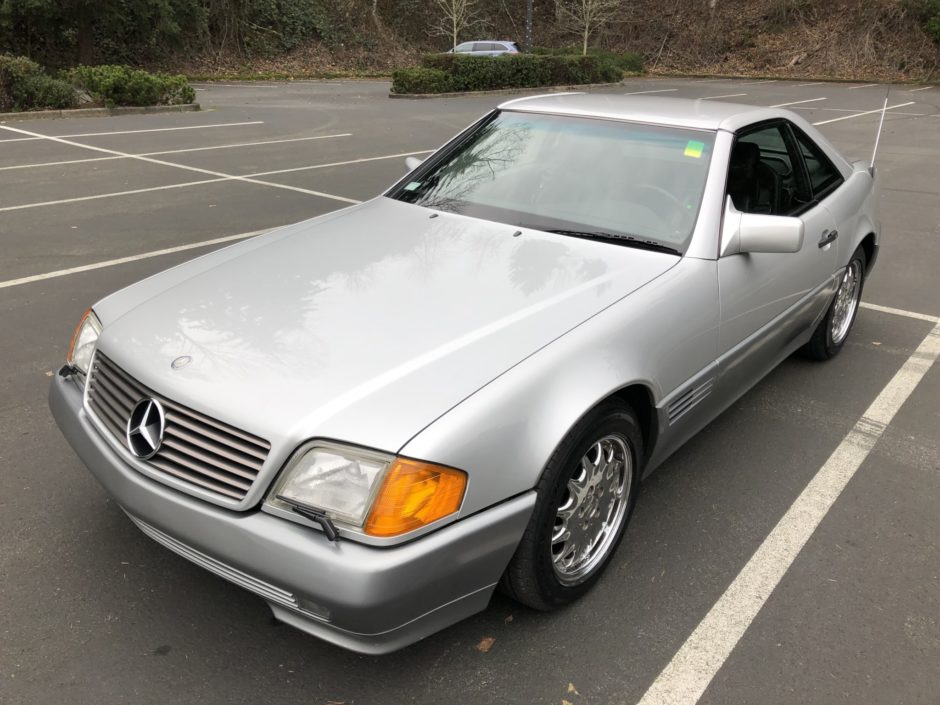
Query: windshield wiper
{"points": [[619, 239]]}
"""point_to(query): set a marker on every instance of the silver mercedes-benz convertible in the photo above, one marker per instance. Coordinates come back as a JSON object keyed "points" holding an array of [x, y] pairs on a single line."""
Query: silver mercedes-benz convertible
{"points": [[374, 418]]}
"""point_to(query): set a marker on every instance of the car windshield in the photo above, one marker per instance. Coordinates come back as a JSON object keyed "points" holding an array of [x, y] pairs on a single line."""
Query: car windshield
{"points": [[632, 183]]}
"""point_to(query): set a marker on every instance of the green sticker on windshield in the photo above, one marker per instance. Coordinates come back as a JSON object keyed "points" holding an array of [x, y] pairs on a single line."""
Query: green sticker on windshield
{"points": [[412, 186], [694, 149]]}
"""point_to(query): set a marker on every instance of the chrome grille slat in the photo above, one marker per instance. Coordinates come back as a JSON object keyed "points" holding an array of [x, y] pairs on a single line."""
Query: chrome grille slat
{"points": [[108, 415], [117, 386], [118, 375], [171, 468], [247, 439], [179, 445], [196, 449], [202, 441], [193, 464], [177, 418]]}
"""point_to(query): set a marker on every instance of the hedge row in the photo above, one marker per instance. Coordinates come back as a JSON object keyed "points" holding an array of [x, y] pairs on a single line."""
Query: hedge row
{"points": [[442, 73], [25, 86], [628, 61], [123, 85]]}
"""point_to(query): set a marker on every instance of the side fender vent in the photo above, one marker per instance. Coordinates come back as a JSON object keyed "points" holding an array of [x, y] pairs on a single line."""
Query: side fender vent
{"points": [[687, 400]]}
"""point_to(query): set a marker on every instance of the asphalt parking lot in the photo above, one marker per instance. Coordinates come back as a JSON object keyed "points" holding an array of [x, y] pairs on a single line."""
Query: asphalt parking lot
{"points": [[92, 611]]}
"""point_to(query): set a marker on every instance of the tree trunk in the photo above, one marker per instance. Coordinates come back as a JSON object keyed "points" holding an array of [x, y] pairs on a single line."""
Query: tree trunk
{"points": [[86, 35], [584, 47]]}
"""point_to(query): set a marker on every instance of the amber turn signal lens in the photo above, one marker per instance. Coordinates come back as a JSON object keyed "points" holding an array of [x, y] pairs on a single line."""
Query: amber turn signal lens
{"points": [[414, 494], [78, 329]]}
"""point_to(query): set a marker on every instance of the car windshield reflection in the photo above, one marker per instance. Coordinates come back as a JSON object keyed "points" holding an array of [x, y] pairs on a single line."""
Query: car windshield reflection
{"points": [[572, 175]]}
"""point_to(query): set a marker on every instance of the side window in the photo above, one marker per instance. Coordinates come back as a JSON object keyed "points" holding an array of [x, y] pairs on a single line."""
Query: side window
{"points": [[823, 175], [761, 175], [464, 48]]}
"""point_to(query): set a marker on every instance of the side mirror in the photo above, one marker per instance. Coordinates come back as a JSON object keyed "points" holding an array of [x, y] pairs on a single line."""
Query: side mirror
{"points": [[756, 232], [412, 163]]}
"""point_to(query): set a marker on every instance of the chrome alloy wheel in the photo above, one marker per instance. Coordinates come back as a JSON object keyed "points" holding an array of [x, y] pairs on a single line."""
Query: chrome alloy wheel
{"points": [[846, 302], [592, 510]]}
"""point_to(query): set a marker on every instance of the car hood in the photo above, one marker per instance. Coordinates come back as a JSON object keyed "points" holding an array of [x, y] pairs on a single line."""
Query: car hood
{"points": [[364, 325]]}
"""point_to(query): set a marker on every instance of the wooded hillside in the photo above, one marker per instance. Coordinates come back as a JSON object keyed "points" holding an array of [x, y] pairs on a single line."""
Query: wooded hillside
{"points": [[837, 38]]}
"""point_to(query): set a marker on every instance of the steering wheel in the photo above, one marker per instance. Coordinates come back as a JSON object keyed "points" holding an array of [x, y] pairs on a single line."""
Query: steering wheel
{"points": [[674, 210], [659, 190]]}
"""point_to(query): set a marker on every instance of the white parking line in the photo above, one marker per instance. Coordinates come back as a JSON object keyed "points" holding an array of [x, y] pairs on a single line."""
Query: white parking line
{"points": [[729, 95], [867, 85], [184, 167], [914, 90], [175, 151], [798, 102], [867, 112], [806, 85], [112, 194], [687, 675], [246, 177], [131, 258], [661, 90], [351, 161], [849, 110], [900, 312], [754, 83], [37, 136]]}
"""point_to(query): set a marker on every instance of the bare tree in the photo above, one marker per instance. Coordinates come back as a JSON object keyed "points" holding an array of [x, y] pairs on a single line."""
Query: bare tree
{"points": [[456, 16], [585, 17]]}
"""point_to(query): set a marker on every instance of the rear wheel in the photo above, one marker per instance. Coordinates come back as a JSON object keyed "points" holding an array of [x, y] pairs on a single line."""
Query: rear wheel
{"points": [[584, 500], [832, 332]]}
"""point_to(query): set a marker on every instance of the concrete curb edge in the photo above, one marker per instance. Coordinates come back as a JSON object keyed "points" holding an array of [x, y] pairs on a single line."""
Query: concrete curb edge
{"points": [[98, 112]]}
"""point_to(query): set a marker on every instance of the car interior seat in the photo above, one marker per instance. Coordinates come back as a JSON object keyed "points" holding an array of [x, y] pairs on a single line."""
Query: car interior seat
{"points": [[754, 186]]}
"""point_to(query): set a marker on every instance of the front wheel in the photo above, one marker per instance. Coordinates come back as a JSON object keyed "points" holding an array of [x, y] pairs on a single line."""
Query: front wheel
{"points": [[832, 332], [584, 500]]}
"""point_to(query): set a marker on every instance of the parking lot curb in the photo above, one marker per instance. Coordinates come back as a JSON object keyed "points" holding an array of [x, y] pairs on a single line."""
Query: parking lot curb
{"points": [[503, 91], [98, 112]]}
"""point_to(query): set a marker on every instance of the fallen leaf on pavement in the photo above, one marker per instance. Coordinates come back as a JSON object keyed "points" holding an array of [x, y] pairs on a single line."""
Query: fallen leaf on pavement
{"points": [[485, 644]]}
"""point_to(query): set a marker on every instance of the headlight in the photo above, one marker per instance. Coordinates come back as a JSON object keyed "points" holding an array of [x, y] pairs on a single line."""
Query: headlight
{"points": [[381, 494], [84, 339]]}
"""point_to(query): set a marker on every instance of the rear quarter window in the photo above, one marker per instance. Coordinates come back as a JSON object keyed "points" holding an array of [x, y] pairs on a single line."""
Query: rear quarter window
{"points": [[824, 177]]}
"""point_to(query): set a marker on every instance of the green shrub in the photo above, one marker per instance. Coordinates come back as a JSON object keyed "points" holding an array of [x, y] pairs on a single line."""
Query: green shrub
{"points": [[24, 86], [927, 14], [481, 73], [630, 62], [46, 93], [627, 61], [123, 85], [421, 80]]}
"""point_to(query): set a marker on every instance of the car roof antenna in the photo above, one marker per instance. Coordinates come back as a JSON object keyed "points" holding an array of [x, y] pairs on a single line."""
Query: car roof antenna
{"points": [[881, 123]]}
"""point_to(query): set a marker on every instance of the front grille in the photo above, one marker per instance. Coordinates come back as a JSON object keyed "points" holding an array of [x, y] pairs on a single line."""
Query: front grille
{"points": [[197, 449]]}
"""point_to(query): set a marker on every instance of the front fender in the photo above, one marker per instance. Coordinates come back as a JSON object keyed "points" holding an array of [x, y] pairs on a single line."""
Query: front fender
{"points": [[503, 435]]}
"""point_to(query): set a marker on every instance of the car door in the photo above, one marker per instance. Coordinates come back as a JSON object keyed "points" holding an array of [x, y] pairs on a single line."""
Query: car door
{"points": [[845, 200], [768, 300]]}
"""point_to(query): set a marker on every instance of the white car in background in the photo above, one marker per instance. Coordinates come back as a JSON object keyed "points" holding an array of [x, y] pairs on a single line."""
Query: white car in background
{"points": [[489, 47]]}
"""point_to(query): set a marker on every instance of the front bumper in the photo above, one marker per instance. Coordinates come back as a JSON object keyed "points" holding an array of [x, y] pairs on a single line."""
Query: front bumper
{"points": [[368, 599]]}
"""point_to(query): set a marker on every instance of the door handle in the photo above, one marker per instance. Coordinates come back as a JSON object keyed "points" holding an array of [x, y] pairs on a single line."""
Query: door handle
{"points": [[827, 237]]}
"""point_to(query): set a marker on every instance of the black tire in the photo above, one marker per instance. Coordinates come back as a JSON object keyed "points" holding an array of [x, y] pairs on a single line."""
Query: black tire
{"points": [[822, 346], [530, 577]]}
